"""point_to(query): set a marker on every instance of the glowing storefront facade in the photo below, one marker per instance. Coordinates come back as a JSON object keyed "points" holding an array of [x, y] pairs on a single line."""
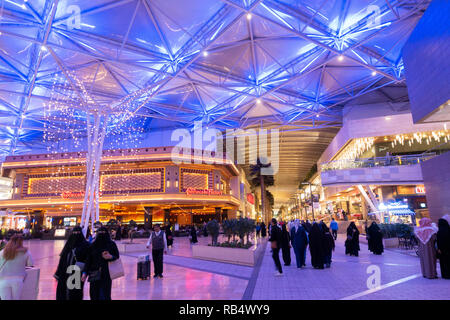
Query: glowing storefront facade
{"points": [[146, 185]]}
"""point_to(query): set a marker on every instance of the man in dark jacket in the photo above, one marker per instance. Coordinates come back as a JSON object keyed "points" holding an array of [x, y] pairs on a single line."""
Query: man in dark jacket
{"points": [[275, 241]]}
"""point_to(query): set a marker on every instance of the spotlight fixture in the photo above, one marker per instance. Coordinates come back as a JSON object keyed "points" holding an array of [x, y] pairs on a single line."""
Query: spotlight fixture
{"points": [[340, 57], [374, 73], [258, 101], [205, 53], [249, 16]]}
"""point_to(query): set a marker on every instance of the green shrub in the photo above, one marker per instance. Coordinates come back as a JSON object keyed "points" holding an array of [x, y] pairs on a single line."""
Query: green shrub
{"points": [[395, 230], [213, 228]]}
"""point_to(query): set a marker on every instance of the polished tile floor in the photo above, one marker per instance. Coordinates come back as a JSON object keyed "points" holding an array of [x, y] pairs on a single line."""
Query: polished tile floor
{"points": [[189, 278]]}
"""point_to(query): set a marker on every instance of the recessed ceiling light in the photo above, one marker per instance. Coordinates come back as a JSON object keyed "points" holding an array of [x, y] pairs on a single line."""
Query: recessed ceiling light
{"points": [[341, 57], [43, 48], [205, 53], [249, 16], [258, 100], [374, 73]]}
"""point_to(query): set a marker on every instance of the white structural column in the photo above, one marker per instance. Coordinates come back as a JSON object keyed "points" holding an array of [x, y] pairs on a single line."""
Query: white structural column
{"points": [[373, 206], [96, 136]]}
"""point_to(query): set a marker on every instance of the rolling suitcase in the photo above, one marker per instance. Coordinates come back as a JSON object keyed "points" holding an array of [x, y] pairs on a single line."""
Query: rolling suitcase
{"points": [[143, 267]]}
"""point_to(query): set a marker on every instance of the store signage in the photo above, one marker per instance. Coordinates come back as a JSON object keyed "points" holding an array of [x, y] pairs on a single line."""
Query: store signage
{"points": [[395, 205], [74, 195], [250, 198], [209, 192], [420, 189]]}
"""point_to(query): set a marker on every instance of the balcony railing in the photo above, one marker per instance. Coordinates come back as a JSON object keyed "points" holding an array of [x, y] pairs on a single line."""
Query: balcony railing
{"points": [[376, 162]]}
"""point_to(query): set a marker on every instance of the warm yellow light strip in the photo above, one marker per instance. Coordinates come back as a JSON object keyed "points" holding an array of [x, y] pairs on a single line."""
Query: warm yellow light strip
{"points": [[123, 199], [167, 156]]}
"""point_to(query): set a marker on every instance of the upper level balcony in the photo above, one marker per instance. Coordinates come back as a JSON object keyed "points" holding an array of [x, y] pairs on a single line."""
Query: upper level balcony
{"points": [[390, 170]]}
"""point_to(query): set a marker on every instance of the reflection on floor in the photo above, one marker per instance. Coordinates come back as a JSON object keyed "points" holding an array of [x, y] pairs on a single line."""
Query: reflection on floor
{"points": [[189, 278]]}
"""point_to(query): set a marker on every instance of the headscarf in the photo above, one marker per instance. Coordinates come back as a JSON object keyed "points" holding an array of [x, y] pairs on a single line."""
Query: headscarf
{"points": [[447, 217], [75, 239], [373, 227], [296, 224], [425, 230], [102, 239]]}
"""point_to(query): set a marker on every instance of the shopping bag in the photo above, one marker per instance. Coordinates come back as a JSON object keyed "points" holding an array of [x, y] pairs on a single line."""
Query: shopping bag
{"points": [[116, 269]]}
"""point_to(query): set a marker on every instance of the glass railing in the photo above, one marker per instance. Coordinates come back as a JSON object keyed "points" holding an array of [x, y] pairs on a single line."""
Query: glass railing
{"points": [[376, 162]]}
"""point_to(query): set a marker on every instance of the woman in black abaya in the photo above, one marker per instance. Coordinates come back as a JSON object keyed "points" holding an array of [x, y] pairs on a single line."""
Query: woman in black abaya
{"points": [[316, 240], [74, 253], [169, 235], [263, 230], [443, 244], [352, 242], [286, 245], [101, 252], [328, 244], [193, 235], [375, 239]]}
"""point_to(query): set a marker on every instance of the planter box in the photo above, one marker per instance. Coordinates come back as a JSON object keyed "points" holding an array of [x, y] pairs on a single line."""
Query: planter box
{"points": [[246, 257], [390, 243], [387, 243], [126, 247]]}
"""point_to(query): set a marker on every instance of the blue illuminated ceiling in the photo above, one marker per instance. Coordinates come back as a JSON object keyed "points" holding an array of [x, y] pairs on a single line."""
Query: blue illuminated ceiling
{"points": [[169, 63]]}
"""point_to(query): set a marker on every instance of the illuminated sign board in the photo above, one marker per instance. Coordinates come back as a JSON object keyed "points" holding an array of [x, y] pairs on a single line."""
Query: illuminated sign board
{"points": [[74, 195], [250, 198], [209, 192], [420, 189]]}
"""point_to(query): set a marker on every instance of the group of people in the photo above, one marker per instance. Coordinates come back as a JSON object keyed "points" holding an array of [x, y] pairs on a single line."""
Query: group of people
{"points": [[298, 235], [434, 244]]}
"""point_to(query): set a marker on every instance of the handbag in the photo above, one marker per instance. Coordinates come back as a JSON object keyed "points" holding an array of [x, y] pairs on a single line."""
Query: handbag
{"points": [[95, 275], [79, 264], [116, 269], [273, 245]]}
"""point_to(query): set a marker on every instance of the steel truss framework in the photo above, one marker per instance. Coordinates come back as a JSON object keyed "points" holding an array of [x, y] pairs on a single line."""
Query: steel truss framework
{"points": [[285, 64], [229, 63]]}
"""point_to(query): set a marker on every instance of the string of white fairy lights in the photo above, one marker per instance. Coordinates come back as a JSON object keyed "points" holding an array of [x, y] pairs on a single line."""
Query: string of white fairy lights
{"points": [[84, 128]]}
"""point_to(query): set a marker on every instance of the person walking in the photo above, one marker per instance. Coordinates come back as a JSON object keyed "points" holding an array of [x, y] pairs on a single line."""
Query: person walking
{"points": [[443, 245], [119, 232], [275, 242], [426, 233], [158, 243], [375, 239], [316, 240], [14, 258], [258, 230], [102, 251], [308, 226], [299, 241], [334, 228], [205, 229], [328, 245], [285, 245], [169, 235], [263, 230], [352, 243], [75, 252], [193, 235]]}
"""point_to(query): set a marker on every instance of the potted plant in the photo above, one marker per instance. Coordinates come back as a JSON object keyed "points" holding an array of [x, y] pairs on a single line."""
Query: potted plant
{"points": [[213, 228], [229, 228]]}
